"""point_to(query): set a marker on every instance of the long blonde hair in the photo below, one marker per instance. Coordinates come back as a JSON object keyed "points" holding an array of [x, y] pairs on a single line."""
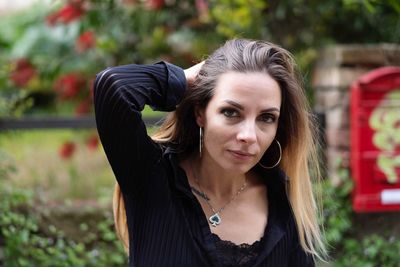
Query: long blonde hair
{"points": [[296, 129]]}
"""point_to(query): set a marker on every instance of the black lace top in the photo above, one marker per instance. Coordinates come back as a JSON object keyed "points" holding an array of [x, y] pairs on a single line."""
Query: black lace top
{"points": [[241, 255]]}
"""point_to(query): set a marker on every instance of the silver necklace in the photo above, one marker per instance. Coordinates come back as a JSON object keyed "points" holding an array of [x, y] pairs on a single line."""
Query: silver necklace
{"points": [[215, 218]]}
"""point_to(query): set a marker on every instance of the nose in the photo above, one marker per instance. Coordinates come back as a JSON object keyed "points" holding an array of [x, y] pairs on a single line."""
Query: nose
{"points": [[247, 132]]}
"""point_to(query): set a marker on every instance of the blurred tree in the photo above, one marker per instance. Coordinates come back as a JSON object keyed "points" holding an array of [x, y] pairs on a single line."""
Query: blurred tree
{"points": [[299, 24], [50, 54]]}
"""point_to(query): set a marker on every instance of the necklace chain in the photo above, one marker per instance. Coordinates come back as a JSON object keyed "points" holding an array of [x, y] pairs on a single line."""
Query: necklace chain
{"points": [[215, 219]]}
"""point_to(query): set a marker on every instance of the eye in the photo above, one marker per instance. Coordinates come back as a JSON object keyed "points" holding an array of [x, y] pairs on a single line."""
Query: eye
{"points": [[230, 112], [268, 117]]}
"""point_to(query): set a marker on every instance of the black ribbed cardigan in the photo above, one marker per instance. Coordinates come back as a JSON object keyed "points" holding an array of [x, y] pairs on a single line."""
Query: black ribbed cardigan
{"points": [[167, 226]]}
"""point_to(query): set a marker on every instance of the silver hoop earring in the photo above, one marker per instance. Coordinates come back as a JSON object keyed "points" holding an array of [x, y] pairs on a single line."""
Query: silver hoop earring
{"points": [[201, 140], [279, 160]]}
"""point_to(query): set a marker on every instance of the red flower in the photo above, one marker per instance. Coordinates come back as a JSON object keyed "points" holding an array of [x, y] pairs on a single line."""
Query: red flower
{"points": [[154, 4], [83, 107], [67, 150], [24, 71], [85, 41], [68, 85], [92, 142], [202, 9], [68, 13], [91, 89], [52, 19]]}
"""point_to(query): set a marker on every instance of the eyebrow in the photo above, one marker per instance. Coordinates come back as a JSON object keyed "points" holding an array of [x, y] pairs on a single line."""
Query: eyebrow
{"points": [[239, 106]]}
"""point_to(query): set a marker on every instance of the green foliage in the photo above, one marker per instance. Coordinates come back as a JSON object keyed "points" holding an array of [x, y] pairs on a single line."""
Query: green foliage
{"points": [[347, 249], [337, 208], [120, 34], [372, 251], [14, 104], [85, 175], [25, 242], [239, 18], [181, 31], [7, 166], [301, 24]]}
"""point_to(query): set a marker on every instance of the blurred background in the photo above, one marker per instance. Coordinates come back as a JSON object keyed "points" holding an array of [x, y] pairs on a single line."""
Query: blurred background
{"points": [[55, 182]]}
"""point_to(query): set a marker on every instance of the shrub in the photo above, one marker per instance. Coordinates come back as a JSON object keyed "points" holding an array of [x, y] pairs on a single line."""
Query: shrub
{"points": [[26, 242], [346, 248]]}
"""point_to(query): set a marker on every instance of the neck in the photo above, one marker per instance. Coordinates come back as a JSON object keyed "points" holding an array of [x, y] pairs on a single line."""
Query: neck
{"points": [[216, 181]]}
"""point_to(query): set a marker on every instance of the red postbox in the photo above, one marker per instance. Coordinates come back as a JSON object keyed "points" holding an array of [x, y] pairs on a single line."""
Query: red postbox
{"points": [[375, 140]]}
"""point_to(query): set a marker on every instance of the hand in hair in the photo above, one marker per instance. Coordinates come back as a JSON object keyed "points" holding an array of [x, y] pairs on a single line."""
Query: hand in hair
{"points": [[192, 72]]}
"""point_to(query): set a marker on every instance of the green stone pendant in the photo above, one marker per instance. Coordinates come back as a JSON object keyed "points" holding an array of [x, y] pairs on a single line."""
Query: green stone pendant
{"points": [[215, 219]]}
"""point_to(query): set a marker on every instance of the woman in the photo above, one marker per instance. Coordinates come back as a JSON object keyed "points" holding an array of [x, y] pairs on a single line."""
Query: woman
{"points": [[225, 180]]}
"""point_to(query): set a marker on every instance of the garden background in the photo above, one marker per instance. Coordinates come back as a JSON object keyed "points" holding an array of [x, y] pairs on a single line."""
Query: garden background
{"points": [[56, 185]]}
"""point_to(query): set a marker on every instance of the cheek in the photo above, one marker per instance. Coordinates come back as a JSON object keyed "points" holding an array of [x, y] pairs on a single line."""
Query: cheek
{"points": [[215, 134], [218, 133], [266, 144], [266, 140]]}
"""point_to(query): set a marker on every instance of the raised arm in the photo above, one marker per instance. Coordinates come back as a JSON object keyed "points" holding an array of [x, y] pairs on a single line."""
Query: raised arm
{"points": [[120, 94]]}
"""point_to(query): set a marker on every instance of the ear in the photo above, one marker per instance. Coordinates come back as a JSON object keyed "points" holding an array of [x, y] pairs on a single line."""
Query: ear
{"points": [[199, 114]]}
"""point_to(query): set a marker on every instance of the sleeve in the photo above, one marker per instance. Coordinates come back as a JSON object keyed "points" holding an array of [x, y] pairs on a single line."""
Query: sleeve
{"points": [[298, 257], [120, 94]]}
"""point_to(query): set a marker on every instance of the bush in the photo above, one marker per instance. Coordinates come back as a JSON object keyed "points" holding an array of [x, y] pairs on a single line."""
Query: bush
{"points": [[52, 52], [26, 242], [346, 248], [370, 251]]}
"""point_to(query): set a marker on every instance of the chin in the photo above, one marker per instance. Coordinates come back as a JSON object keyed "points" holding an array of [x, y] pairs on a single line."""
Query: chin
{"points": [[239, 168]]}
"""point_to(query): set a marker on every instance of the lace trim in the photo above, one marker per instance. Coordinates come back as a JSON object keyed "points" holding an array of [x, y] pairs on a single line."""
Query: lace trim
{"points": [[231, 254]]}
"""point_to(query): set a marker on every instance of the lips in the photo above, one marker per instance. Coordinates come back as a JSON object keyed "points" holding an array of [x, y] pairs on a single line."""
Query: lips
{"points": [[241, 154]]}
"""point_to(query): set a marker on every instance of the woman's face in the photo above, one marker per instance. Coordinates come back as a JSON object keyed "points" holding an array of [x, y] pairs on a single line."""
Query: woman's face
{"points": [[240, 121]]}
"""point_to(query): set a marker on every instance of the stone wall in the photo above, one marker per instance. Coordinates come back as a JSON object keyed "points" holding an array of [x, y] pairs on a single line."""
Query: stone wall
{"points": [[336, 69]]}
